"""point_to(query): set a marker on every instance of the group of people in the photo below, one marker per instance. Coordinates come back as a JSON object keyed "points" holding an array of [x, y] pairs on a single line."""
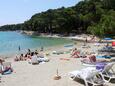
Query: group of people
{"points": [[32, 57], [89, 57], [28, 55]]}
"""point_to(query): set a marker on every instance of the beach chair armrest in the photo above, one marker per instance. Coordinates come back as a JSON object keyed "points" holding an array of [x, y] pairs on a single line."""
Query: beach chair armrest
{"points": [[112, 70]]}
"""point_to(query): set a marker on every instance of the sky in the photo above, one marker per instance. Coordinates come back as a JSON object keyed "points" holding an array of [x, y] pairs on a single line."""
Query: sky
{"points": [[18, 11]]}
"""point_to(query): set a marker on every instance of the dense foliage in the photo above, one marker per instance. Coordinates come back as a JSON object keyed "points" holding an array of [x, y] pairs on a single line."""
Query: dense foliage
{"points": [[89, 16]]}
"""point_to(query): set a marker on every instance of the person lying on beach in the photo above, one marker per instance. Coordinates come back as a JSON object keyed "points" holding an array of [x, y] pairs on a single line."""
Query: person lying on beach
{"points": [[92, 59]]}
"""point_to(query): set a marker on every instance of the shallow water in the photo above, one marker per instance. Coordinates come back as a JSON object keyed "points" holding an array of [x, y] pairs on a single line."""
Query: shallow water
{"points": [[10, 42]]}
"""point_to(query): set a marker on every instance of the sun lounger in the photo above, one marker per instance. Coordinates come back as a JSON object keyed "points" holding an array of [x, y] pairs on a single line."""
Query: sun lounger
{"points": [[89, 75], [92, 61], [108, 72], [106, 49]]}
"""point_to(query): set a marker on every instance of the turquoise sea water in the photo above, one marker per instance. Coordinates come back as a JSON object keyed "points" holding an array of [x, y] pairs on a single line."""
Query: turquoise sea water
{"points": [[10, 41]]}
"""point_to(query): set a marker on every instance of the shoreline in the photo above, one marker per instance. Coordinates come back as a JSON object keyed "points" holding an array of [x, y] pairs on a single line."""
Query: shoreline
{"points": [[77, 38], [31, 75], [46, 48]]}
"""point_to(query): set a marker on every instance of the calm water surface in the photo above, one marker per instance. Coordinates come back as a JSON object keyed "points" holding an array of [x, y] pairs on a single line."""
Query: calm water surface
{"points": [[10, 41]]}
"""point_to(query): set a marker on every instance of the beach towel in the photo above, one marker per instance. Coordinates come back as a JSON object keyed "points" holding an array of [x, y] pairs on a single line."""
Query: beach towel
{"points": [[106, 57], [100, 66], [64, 59]]}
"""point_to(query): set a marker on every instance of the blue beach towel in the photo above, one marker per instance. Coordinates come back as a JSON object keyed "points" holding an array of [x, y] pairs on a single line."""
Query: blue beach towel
{"points": [[100, 57], [100, 66], [106, 57]]}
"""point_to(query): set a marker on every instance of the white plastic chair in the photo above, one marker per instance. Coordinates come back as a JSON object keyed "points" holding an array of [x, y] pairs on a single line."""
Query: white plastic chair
{"points": [[89, 75], [108, 72]]}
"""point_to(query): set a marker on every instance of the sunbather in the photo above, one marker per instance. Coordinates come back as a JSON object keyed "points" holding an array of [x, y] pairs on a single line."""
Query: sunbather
{"points": [[6, 68], [92, 60], [75, 53]]}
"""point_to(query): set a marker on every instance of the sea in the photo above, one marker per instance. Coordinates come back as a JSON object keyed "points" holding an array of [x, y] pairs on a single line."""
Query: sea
{"points": [[14, 42]]}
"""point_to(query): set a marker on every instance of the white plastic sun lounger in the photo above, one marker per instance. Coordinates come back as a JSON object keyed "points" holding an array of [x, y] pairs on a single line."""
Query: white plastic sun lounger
{"points": [[108, 71], [89, 75]]}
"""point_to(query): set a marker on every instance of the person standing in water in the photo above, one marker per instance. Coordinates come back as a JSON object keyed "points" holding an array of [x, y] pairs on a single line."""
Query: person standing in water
{"points": [[42, 48], [19, 48]]}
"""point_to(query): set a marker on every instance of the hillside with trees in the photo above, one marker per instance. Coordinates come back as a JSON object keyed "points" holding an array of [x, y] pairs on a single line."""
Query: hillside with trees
{"points": [[96, 17]]}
